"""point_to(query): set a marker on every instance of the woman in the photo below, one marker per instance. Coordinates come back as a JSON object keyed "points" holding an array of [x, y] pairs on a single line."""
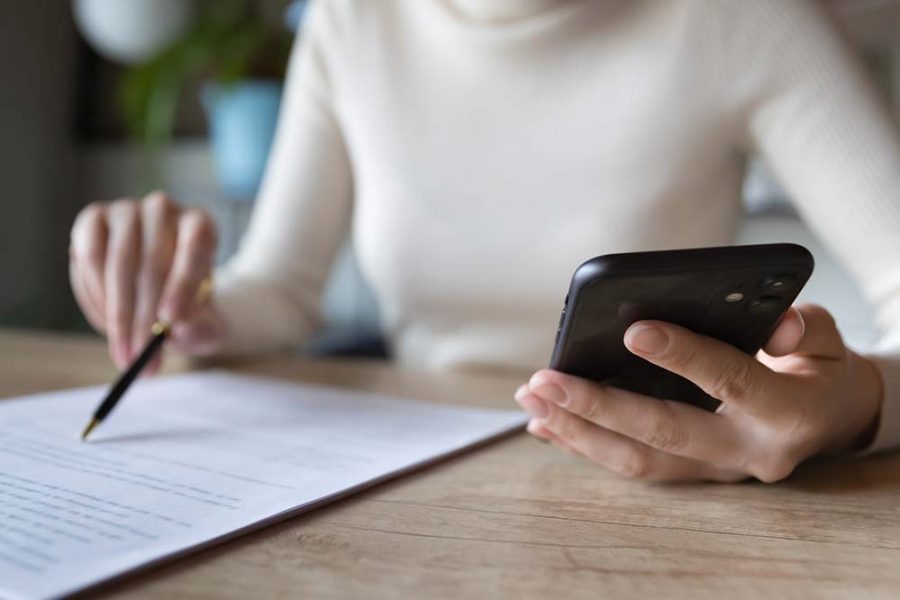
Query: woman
{"points": [[480, 149]]}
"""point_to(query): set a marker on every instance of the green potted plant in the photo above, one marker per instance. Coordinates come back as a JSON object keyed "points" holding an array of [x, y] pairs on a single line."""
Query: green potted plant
{"points": [[241, 60]]}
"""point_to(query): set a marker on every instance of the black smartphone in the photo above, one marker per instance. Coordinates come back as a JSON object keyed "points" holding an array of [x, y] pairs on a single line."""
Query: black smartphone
{"points": [[735, 294]]}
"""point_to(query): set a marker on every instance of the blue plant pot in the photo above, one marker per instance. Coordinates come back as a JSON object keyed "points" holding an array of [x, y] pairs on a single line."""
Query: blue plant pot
{"points": [[242, 119]]}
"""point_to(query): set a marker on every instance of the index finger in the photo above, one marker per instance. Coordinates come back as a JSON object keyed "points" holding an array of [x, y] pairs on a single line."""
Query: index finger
{"points": [[718, 368], [194, 254]]}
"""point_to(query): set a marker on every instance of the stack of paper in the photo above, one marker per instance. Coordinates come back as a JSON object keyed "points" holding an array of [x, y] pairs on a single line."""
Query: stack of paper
{"points": [[190, 460]]}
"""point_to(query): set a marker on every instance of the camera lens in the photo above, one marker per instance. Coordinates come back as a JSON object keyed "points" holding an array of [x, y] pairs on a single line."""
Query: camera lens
{"points": [[764, 304], [779, 283]]}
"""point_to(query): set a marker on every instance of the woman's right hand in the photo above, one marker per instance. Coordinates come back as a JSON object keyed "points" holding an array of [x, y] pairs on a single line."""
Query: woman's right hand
{"points": [[132, 262]]}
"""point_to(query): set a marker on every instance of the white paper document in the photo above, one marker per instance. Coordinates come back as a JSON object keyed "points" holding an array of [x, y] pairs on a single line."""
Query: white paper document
{"points": [[188, 460]]}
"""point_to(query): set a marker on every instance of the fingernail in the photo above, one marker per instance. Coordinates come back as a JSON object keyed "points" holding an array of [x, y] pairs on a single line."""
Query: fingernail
{"points": [[534, 406], [646, 339], [521, 391], [534, 427], [552, 393]]}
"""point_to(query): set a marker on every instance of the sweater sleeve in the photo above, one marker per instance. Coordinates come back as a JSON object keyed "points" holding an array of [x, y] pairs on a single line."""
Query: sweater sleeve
{"points": [[809, 109], [269, 291]]}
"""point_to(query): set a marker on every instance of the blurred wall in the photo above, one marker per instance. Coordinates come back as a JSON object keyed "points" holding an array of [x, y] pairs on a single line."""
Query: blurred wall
{"points": [[37, 196]]}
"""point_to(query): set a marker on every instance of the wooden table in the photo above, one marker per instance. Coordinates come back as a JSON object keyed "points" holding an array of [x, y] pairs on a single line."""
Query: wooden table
{"points": [[520, 519]]}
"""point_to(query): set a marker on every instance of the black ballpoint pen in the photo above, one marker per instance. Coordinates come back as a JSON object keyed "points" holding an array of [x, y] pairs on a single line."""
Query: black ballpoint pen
{"points": [[159, 330]]}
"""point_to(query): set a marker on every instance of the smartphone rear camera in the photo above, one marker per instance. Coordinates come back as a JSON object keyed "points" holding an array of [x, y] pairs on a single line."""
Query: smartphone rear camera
{"points": [[778, 284], [764, 304], [734, 297]]}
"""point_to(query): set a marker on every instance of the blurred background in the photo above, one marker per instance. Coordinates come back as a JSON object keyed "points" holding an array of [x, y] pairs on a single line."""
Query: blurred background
{"points": [[104, 99]]}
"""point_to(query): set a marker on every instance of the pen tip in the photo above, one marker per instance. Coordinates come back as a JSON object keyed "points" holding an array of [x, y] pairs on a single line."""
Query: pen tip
{"points": [[88, 429]]}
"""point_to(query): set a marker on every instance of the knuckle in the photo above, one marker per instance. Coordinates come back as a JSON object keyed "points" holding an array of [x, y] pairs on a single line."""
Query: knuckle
{"points": [[818, 314], [683, 357], [815, 430], [91, 214], [632, 463], [124, 216], [563, 426], [592, 409], [90, 248], [196, 221], [87, 227], [734, 381], [664, 434], [589, 403], [772, 470], [125, 207], [158, 206], [808, 427], [804, 434], [199, 229], [819, 311]]}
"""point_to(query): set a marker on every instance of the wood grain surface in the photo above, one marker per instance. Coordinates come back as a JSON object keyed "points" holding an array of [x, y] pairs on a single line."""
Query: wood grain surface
{"points": [[519, 519]]}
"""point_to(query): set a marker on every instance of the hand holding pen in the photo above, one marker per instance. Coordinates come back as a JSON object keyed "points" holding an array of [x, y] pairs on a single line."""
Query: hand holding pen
{"points": [[133, 262]]}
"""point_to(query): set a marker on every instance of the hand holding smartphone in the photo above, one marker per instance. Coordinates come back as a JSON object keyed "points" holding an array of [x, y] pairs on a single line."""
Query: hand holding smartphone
{"points": [[735, 294]]}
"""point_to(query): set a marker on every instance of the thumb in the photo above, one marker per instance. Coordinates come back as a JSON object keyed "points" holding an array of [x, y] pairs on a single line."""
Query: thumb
{"points": [[788, 334], [821, 337], [201, 335]]}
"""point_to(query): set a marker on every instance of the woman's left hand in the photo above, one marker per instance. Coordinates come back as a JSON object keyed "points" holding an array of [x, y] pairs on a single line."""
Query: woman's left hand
{"points": [[805, 394]]}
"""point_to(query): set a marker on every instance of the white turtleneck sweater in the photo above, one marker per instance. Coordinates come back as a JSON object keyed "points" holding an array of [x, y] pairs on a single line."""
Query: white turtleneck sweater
{"points": [[478, 150]]}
